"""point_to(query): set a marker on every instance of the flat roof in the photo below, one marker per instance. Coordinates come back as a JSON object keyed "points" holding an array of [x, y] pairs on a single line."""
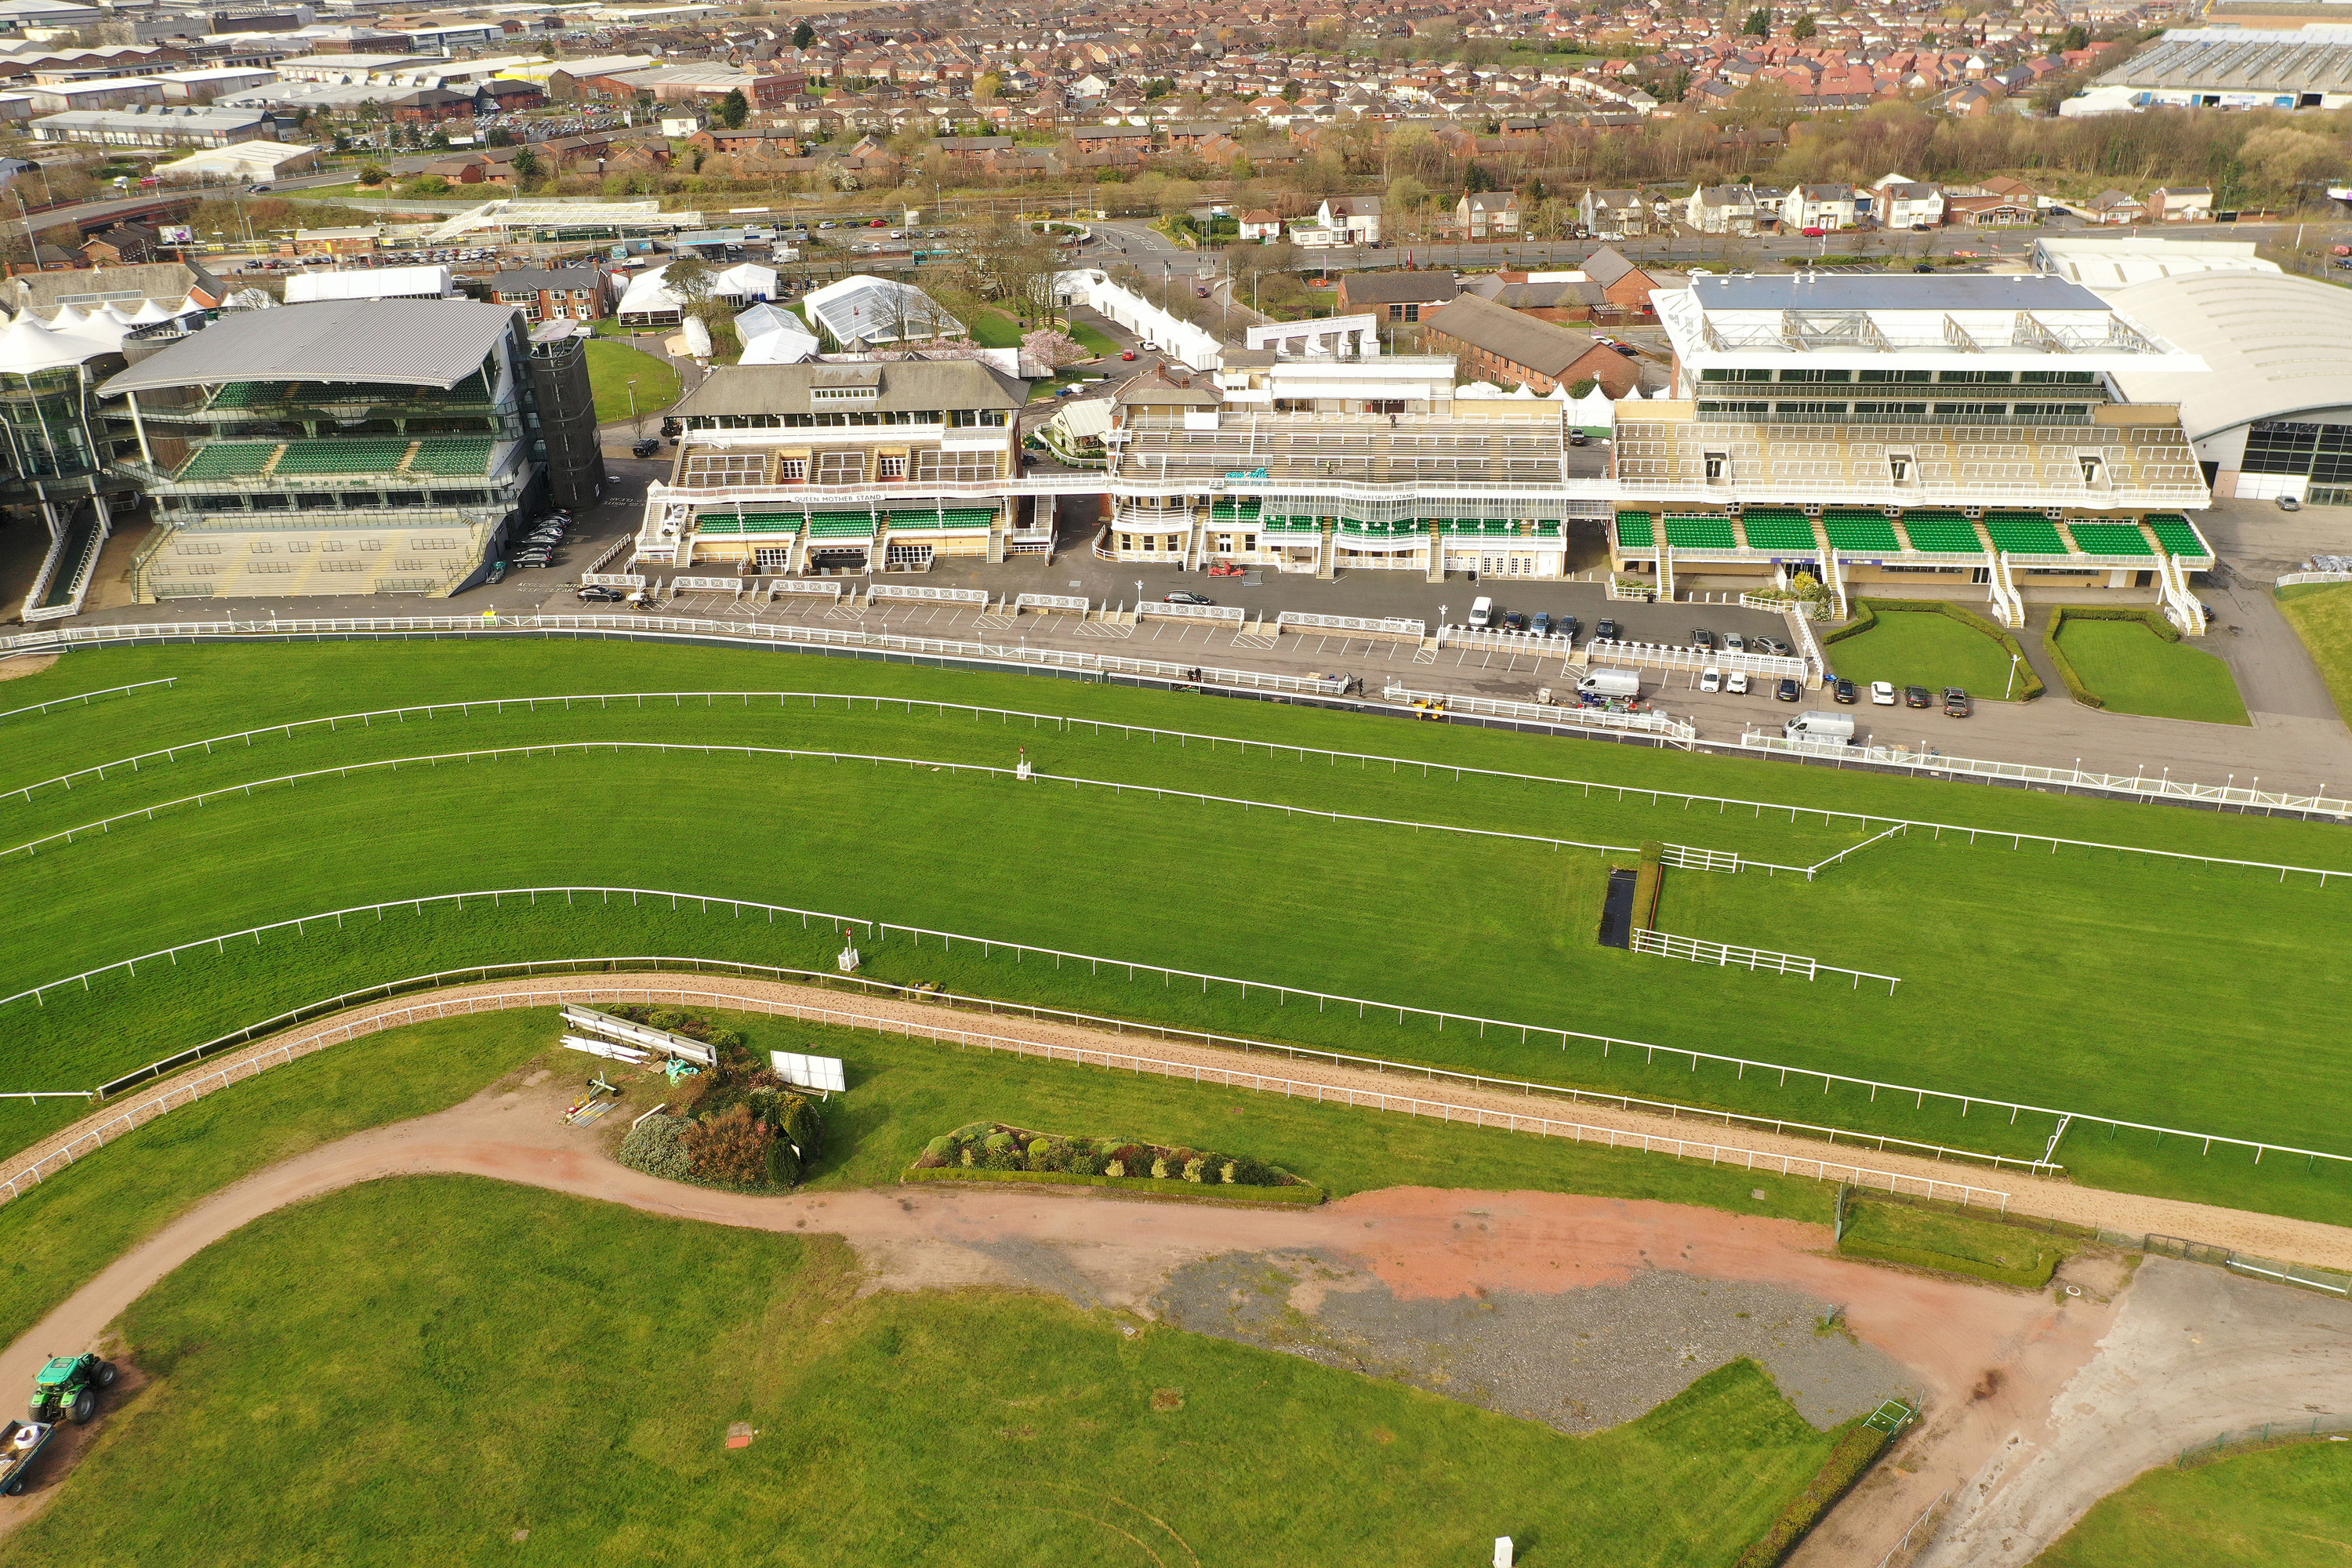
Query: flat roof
{"points": [[413, 342], [1894, 291]]}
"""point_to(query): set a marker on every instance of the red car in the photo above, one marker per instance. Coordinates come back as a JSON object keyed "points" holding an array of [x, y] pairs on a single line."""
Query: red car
{"points": [[1128, 354], [1815, 233]]}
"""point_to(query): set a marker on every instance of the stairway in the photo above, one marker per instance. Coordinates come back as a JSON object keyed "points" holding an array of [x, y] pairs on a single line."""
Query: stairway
{"points": [[2008, 604]]}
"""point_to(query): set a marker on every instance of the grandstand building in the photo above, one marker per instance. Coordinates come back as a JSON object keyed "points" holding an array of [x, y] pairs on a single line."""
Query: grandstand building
{"points": [[346, 446], [853, 467], [1960, 436], [1316, 463]]}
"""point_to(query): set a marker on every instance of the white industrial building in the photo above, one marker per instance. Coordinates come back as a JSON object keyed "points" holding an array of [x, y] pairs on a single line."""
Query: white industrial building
{"points": [[2228, 68]]}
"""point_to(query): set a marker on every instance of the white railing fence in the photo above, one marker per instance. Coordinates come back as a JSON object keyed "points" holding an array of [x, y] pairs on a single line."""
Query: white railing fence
{"points": [[1687, 857], [1663, 725], [1190, 612], [1385, 626], [707, 586], [2297, 579], [14, 1182], [1667, 944], [930, 595], [84, 697], [1070, 604], [795, 587], [1528, 643], [1665, 656], [612, 580]]}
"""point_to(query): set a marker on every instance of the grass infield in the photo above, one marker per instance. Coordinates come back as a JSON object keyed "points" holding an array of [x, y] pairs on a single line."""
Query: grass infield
{"points": [[451, 1369], [2133, 670], [1929, 1238], [2279, 1508], [2086, 981], [1918, 649], [2321, 614], [609, 366]]}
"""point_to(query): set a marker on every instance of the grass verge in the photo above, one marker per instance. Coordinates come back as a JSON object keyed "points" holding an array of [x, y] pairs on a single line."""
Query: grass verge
{"points": [[901, 1091], [2279, 1508], [1926, 642], [2321, 614], [2125, 666], [1925, 1238], [450, 1370], [610, 367]]}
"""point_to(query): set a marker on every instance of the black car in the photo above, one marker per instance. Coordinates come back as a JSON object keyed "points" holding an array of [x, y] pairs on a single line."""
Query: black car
{"points": [[1844, 690], [645, 447], [1604, 630], [1702, 637], [1628, 350], [1918, 697], [1517, 620], [1567, 627], [600, 594], [1788, 690]]}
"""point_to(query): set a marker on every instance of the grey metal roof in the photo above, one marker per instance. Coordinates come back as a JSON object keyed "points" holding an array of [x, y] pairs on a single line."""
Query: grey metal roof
{"points": [[2253, 59], [413, 342], [910, 384], [2278, 346], [1893, 291]]}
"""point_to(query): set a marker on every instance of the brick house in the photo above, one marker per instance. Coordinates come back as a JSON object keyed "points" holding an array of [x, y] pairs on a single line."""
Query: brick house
{"points": [[1395, 296], [552, 294], [1508, 348]]}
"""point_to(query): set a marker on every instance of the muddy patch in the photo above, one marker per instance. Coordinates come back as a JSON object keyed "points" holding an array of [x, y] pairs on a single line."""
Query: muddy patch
{"points": [[1580, 1360]]}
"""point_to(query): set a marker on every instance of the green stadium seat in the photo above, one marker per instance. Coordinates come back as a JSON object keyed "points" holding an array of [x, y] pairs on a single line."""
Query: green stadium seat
{"points": [[2178, 535], [1779, 530], [749, 522], [351, 455], [1704, 531], [1943, 533], [2023, 533], [451, 455], [2109, 539], [841, 524], [1862, 533], [228, 459], [1635, 530]]}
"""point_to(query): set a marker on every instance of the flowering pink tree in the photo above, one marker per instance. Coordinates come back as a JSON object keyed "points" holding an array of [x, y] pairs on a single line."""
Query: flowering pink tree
{"points": [[1055, 349]]}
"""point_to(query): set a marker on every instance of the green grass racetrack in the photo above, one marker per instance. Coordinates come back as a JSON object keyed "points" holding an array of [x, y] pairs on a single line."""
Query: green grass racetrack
{"points": [[2106, 984]]}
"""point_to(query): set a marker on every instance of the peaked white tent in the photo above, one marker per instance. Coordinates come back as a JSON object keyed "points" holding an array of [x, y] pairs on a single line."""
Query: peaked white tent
{"points": [[774, 335], [649, 293]]}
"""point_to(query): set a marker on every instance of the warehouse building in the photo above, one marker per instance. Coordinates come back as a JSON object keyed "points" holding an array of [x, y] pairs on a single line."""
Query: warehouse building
{"points": [[2228, 68]]}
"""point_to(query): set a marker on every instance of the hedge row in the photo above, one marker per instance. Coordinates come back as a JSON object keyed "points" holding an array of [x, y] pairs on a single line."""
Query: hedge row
{"points": [[2066, 670], [1856, 1448], [2045, 1263], [2152, 619], [1867, 611], [1181, 1191]]}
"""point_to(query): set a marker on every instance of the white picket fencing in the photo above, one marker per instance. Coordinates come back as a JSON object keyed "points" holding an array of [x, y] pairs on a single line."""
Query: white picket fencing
{"points": [[1504, 642], [612, 580], [1666, 656], [2297, 579], [1667, 944], [818, 587], [1233, 613]]}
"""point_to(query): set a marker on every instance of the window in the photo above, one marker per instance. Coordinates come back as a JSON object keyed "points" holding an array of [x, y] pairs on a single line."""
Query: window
{"points": [[1972, 378], [1899, 466], [891, 467], [1809, 408], [1718, 467], [1384, 405], [1745, 375], [2095, 470], [791, 470], [1894, 376], [1788, 375], [709, 470], [1712, 407], [1890, 408]]}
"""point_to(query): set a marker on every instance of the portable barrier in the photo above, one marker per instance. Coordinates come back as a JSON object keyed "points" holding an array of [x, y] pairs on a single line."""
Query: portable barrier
{"points": [[1233, 613], [822, 587], [1665, 655], [1072, 604], [707, 584], [612, 580], [1357, 625], [934, 596]]}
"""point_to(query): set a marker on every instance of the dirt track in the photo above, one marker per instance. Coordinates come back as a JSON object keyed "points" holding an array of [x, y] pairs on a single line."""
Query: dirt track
{"points": [[2268, 1236]]}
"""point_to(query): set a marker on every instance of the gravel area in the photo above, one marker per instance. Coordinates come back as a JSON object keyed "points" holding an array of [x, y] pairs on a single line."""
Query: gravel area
{"points": [[1578, 1360]]}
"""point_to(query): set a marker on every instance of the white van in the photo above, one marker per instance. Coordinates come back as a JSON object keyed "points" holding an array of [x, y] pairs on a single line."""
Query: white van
{"points": [[1612, 683], [1482, 614], [1835, 729]]}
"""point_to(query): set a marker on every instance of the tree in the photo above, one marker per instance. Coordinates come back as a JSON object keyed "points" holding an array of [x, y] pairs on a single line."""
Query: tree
{"points": [[1159, 87], [2285, 157], [2077, 37], [990, 86], [1803, 27], [804, 36], [733, 110], [1758, 23], [1475, 178], [1763, 102], [689, 277], [373, 173], [1054, 349], [1407, 195], [1242, 168]]}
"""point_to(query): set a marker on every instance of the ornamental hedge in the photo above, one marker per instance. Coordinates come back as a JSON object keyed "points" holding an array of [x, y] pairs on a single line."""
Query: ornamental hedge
{"points": [[2151, 618], [1867, 611], [998, 1151], [745, 1129]]}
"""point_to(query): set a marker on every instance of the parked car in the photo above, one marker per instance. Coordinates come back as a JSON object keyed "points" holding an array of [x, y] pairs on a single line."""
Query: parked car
{"points": [[1734, 643], [1184, 597], [1579, 438], [1702, 637], [1882, 693], [1568, 626], [1788, 691], [1710, 679], [601, 594], [644, 446], [2289, 504], [1918, 697], [1516, 621], [1628, 350], [1604, 630], [1482, 614], [1735, 683], [1843, 691], [1956, 702], [1815, 231], [1128, 354], [1542, 627]]}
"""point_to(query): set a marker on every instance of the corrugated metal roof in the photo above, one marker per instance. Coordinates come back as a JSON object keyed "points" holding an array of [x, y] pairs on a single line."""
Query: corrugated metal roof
{"points": [[907, 385], [415, 343]]}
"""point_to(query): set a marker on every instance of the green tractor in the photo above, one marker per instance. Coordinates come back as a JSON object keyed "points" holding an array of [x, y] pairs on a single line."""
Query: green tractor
{"points": [[67, 1388]]}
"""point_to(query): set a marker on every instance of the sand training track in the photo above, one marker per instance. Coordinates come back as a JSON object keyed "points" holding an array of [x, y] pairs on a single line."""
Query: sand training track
{"points": [[2037, 1404]]}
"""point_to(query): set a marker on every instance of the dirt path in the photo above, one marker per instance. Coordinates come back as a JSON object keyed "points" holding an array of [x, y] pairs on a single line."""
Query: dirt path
{"points": [[2269, 1236], [1421, 1244]]}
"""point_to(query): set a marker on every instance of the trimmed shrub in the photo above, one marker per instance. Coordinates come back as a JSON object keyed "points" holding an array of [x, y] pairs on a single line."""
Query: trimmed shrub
{"points": [[1193, 1168], [1225, 1173], [1087, 1165], [656, 1146], [1865, 617], [996, 1141], [1040, 1147], [1159, 1168], [784, 1165], [805, 1126], [1300, 1192], [971, 1156], [939, 1145], [1116, 1169], [730, 1147], [1002, 1159], [2067, 673]]}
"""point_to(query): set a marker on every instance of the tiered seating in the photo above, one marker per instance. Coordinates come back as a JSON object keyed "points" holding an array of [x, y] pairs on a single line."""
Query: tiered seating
{"points": [[451, 455], [1862, 533], [841, 525], [1782, 528], [251, 394], [360, 455], [2178, 535], [2023, 533], [1701, 532], [228, 459], [1945, 532], [2109, 539], [1402, 527], [1235, 511], [1635, 530], [1287, 524], [749, 522], [1548, 528]]}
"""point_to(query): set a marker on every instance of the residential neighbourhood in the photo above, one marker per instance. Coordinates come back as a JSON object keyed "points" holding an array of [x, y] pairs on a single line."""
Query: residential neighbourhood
{"points": [[1629, 726]]}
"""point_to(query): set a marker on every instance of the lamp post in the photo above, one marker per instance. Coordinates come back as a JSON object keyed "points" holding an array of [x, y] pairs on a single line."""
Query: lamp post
{"points": [[2007, 691]]}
